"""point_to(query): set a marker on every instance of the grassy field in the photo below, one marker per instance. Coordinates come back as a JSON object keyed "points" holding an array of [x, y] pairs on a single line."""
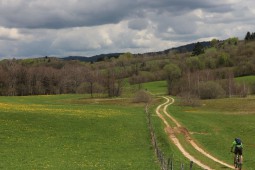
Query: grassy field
{"points": [[246, 79], [156, 88], [72, 132], [216, 123]]}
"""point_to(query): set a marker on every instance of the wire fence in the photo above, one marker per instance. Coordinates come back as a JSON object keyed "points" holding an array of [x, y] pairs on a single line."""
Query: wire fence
{"points": [[166, 163]]}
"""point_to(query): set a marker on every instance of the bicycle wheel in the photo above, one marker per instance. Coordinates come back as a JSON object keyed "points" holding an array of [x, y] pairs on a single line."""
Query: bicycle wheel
{"points": [[239, 164], [236, 161]]}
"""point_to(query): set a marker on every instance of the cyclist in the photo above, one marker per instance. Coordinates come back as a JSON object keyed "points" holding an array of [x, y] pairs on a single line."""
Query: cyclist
{"points": [[237, 145]]}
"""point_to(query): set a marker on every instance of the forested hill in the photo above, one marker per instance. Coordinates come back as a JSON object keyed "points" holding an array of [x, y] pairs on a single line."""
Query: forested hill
{"points": [[180, 49], [95, 58], [184, 48]]}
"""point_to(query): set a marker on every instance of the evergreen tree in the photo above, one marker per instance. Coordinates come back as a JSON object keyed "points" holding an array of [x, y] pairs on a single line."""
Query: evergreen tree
{"points": [[248, 36], [253, 36], [198, 49]]}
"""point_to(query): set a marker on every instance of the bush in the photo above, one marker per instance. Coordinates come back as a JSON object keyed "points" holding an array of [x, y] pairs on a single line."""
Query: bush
{"points": [[187, 99], [211, 90], [142, 96], [244, 69]]}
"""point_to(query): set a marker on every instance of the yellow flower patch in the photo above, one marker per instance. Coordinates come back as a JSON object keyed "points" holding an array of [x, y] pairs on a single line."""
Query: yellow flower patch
{"points": [[58, 109]]}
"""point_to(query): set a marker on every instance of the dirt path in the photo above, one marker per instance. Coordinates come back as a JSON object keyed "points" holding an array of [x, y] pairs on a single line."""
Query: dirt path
{"points": [[171, 134]]}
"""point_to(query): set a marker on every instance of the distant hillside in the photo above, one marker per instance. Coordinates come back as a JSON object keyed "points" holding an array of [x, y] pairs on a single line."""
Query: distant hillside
{"points": [[189, 47], [96, 58], [180, 49]]}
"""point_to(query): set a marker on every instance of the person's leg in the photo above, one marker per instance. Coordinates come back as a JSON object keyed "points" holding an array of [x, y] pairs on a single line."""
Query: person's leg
{"points": [[235, 155], [241, 155]]}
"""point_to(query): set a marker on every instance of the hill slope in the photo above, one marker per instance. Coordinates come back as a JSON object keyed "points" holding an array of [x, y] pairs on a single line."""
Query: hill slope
{"points": [[184, 48]]}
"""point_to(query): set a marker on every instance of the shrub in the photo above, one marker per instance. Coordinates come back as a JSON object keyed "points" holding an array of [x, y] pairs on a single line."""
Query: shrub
{"points": [[211, 90], [244, 69], [187, 99], [142, 96]]}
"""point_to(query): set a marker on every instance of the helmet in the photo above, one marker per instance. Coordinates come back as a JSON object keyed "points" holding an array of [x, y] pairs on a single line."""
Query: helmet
{"points": [[238, 141]]}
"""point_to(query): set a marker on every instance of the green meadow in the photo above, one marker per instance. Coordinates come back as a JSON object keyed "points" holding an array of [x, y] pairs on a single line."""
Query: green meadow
{"points": [[72, 132], [247, 79], [76, 132], [156, 88]]}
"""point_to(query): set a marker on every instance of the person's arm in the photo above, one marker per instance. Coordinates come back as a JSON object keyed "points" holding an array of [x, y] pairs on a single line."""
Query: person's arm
{"points": [[233, 146]]}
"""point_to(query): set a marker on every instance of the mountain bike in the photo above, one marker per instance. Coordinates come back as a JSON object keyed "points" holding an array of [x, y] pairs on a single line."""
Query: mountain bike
{"points": [[238, 163]]}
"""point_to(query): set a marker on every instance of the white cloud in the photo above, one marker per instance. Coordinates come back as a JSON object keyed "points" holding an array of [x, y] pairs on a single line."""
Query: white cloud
{"points": [[10, 34]]}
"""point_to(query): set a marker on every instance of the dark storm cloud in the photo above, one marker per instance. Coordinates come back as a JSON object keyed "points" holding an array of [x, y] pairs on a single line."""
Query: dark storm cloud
{"points": [[76, 13], [138, 24], [61, 13]]}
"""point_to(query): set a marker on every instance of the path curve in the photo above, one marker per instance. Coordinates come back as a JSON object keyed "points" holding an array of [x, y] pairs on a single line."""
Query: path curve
{"points": [[171, 133], [173, 138]]}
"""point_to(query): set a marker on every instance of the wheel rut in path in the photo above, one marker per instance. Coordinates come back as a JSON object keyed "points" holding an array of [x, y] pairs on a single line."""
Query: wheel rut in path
{"points": [[171, 134]]}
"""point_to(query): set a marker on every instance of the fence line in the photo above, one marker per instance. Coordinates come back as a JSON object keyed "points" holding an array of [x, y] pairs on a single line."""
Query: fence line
{"points": [[165, 163]]}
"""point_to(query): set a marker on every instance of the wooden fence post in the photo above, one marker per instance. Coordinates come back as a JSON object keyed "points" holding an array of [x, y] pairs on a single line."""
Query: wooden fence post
{"points": [[182, 166], [172, 165], [166, 164], [191, 164]]}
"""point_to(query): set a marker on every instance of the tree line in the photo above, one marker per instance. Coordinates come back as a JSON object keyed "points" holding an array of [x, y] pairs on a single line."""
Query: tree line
{"points": [[186, 73], [17, 78]]}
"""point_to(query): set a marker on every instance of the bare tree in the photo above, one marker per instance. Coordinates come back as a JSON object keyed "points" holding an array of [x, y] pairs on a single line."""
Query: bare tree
{"points": [[173, 73]]}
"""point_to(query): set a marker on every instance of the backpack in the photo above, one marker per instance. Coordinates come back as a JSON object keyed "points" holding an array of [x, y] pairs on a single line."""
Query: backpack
{"points": [[238, 141]]}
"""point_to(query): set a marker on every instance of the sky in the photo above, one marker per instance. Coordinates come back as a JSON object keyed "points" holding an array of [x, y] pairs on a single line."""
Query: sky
{"points": [[37, 28]]}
